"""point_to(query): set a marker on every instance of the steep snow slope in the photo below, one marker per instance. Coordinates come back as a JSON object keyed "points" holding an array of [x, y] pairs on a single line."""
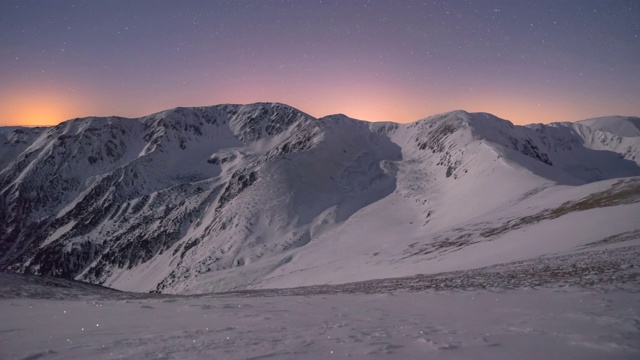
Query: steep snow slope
{"points": [[231, 196], [461, 177], [628, 126], [91, 194]]}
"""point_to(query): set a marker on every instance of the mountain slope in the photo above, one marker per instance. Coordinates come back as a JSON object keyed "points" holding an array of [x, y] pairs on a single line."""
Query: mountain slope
{"points": [[232, 196], [627, 126]]}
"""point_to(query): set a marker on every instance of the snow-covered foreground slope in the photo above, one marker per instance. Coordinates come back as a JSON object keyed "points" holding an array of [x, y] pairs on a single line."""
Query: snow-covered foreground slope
{"points": [[552, 324], [526, 310], [194, 200], [548, 224]]}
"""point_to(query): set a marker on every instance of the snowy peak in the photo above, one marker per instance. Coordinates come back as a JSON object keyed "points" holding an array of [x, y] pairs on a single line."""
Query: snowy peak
{"points": [[264, 120], [247, 123], [224, 196], [571, 153], [624, 126]]}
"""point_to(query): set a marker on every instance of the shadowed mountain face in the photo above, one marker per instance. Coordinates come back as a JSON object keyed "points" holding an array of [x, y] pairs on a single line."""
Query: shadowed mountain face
{"points": [[234, 196]]}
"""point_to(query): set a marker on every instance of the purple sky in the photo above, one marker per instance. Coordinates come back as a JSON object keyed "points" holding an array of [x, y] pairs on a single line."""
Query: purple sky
{"points": [[527, 61]]}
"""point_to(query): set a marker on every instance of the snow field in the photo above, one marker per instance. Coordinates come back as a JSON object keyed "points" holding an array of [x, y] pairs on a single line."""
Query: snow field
{"points": [[557, 323]]}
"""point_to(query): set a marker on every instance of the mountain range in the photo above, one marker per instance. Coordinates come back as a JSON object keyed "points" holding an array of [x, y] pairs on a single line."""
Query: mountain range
{"points": [[228, 197]]}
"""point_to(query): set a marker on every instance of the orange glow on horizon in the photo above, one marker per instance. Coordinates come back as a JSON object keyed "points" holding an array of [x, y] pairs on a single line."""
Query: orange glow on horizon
{"points": [[37, 108], [39, 115], [370, 101], [397, 62]]}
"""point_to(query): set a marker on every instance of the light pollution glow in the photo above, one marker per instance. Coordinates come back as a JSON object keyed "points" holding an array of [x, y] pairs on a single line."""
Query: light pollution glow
{"points": [[45, 108], [370, 60]]}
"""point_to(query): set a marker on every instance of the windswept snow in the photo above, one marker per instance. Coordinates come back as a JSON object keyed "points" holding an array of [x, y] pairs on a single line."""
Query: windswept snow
{"points": [[530, 324]]}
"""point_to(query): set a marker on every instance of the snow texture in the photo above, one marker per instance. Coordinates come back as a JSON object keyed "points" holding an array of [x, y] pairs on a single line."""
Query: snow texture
{"points": [[579, 306]]}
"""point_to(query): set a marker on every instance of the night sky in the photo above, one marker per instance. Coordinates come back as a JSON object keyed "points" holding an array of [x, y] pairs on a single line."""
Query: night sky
{"points": [[527, 61]]}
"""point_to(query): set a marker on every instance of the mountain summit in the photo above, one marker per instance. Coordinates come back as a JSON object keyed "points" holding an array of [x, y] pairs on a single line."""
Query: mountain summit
{"points": [[193, 200]]}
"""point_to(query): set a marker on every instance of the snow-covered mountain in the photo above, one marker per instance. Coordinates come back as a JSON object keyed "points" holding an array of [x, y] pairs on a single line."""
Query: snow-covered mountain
{"points": [[618, 125], [246, 196]]}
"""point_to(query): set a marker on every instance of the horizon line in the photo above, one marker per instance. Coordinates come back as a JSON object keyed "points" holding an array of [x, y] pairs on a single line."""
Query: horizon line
{"points": [[317, 117]]}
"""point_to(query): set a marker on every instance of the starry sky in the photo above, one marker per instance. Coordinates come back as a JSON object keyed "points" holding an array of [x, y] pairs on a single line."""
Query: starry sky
{"points": [[526, 61]]}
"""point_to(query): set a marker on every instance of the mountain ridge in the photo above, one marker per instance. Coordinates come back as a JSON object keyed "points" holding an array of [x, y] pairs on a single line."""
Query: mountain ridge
{"points": [[230, 196]]}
